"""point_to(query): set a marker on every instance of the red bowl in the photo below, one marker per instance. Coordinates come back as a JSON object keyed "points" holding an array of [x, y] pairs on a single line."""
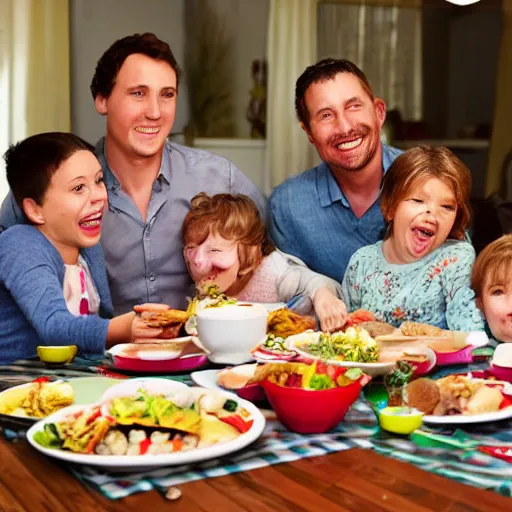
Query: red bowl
{"points": [[310, 412], [501, 372], [252, 392]]}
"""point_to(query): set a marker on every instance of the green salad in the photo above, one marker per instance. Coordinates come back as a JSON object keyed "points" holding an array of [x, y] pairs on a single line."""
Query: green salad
{"points": [[354, 345]]}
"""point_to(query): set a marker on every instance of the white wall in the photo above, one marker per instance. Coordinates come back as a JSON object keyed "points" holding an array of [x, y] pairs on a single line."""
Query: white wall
{"points": [[95, 25], [249, 155]]}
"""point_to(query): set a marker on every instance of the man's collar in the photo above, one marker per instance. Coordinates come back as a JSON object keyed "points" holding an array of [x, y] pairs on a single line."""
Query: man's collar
{"points": [[328, 189], [112, 183]]}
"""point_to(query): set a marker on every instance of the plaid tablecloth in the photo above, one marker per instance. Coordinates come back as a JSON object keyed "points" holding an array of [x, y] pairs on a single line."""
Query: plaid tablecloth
{"points": [[457, 453]]}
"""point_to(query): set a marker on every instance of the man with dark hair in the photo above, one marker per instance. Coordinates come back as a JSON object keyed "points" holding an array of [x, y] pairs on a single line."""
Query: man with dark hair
{"points": [[325, 214], [149, 180]]}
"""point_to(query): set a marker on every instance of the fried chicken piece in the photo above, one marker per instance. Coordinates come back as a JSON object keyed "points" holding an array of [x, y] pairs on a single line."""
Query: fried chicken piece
{"points": [[417, 329], [283, 322], [423, 394], [164, 318]]}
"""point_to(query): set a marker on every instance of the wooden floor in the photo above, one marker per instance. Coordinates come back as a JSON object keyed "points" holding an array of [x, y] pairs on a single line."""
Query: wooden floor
{"points": [[353, 480]]}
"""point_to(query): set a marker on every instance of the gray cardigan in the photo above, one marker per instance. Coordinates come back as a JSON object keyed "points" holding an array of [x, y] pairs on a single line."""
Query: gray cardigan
{"points": [[32, 307]]}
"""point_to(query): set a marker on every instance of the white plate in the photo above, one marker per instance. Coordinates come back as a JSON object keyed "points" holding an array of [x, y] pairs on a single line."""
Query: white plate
{"points": [[86, 390], [152, 355], [372, 369], [134, 463], [208, 379], [460, 419]]}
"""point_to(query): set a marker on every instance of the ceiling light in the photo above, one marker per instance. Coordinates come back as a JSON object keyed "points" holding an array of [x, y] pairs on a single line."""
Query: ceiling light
{"points": [[463, 2]]}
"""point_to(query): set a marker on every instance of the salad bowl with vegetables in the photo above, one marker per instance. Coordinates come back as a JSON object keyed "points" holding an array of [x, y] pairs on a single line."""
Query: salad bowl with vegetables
{"points": [[311, 398]]}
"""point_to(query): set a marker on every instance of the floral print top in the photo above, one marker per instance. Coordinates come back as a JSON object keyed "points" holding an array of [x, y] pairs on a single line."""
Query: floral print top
{"points": [[434, 290]]}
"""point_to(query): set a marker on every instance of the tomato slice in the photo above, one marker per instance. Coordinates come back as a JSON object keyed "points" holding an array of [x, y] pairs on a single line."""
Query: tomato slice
{"points": [[144, 445], [41, 380], [235, 420]]}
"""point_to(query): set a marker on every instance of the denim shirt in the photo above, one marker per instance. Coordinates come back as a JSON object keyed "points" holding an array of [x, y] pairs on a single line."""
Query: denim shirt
{"points": [[311, 218], [145, 259]]}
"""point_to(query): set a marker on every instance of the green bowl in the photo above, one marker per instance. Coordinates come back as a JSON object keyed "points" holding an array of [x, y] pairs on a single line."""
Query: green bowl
{"points": [[400, 420], [58, 354]]}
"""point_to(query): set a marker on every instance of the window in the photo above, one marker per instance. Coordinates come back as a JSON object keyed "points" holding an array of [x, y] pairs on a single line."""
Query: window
{"points": [[385, 42]]}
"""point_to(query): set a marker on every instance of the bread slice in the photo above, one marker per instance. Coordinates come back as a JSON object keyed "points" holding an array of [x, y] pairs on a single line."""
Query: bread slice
{"points": [[236, 377]]}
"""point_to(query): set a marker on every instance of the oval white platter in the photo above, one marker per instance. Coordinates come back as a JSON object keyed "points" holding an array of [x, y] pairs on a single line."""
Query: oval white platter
{"points": [[134, 463]]}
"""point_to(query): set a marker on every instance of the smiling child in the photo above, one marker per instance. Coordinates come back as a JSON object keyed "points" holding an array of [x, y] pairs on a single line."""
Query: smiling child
{"points": [[421, 271], [53, 282]]}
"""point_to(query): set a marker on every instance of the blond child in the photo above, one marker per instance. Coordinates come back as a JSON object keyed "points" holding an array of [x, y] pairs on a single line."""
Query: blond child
{"points": [[225, 242], [421, 271]]}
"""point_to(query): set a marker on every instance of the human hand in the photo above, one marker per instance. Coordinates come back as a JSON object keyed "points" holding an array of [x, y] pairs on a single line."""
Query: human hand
{"points": [[331, 311], [141, 332]]}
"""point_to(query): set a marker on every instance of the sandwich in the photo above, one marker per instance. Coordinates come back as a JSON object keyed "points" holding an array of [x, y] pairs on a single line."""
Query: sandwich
{"points": [[170, 321]]}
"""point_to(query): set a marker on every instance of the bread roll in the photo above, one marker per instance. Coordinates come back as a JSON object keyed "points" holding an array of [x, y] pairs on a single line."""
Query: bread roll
{"points": [[237, 377]]}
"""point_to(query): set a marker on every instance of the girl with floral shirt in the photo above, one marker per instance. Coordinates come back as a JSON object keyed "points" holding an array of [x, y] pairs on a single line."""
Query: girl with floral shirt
{"points": [[421, 271]]}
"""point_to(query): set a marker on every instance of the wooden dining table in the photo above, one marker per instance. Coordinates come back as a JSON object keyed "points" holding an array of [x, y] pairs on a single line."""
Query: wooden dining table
{"points": [[351, 480]]}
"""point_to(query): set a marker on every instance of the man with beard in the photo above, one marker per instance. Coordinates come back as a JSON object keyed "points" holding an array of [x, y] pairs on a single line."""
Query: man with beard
{"points": [[325, 214]]}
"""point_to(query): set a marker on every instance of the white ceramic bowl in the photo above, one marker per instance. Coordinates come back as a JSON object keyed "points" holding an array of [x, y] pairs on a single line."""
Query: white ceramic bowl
{"points": [[230, 332]]}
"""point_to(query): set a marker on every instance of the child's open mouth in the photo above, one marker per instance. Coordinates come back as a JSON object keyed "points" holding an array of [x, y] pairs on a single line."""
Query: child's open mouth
{"points": [[91, 224], [422, 239]]}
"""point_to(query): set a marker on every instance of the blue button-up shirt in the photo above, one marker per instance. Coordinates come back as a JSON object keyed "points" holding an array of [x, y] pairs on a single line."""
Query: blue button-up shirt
{"points": [[311, 218]]}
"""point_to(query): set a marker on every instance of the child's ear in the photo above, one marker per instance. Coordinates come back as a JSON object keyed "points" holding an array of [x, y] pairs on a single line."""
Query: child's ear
{"points": [[33, 211]]}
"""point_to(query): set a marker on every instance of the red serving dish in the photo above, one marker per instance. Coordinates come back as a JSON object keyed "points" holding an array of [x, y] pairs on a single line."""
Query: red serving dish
{"points": [[180, 364], [146, 359], [501, 372], [462, 356]]}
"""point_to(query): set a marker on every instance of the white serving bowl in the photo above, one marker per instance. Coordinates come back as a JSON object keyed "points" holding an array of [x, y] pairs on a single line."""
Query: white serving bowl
{"points": [[230, 332]]}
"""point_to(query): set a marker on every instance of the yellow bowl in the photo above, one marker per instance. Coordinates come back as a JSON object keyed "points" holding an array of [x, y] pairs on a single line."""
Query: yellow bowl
{"points": [[400, 420], [64, 354]]}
